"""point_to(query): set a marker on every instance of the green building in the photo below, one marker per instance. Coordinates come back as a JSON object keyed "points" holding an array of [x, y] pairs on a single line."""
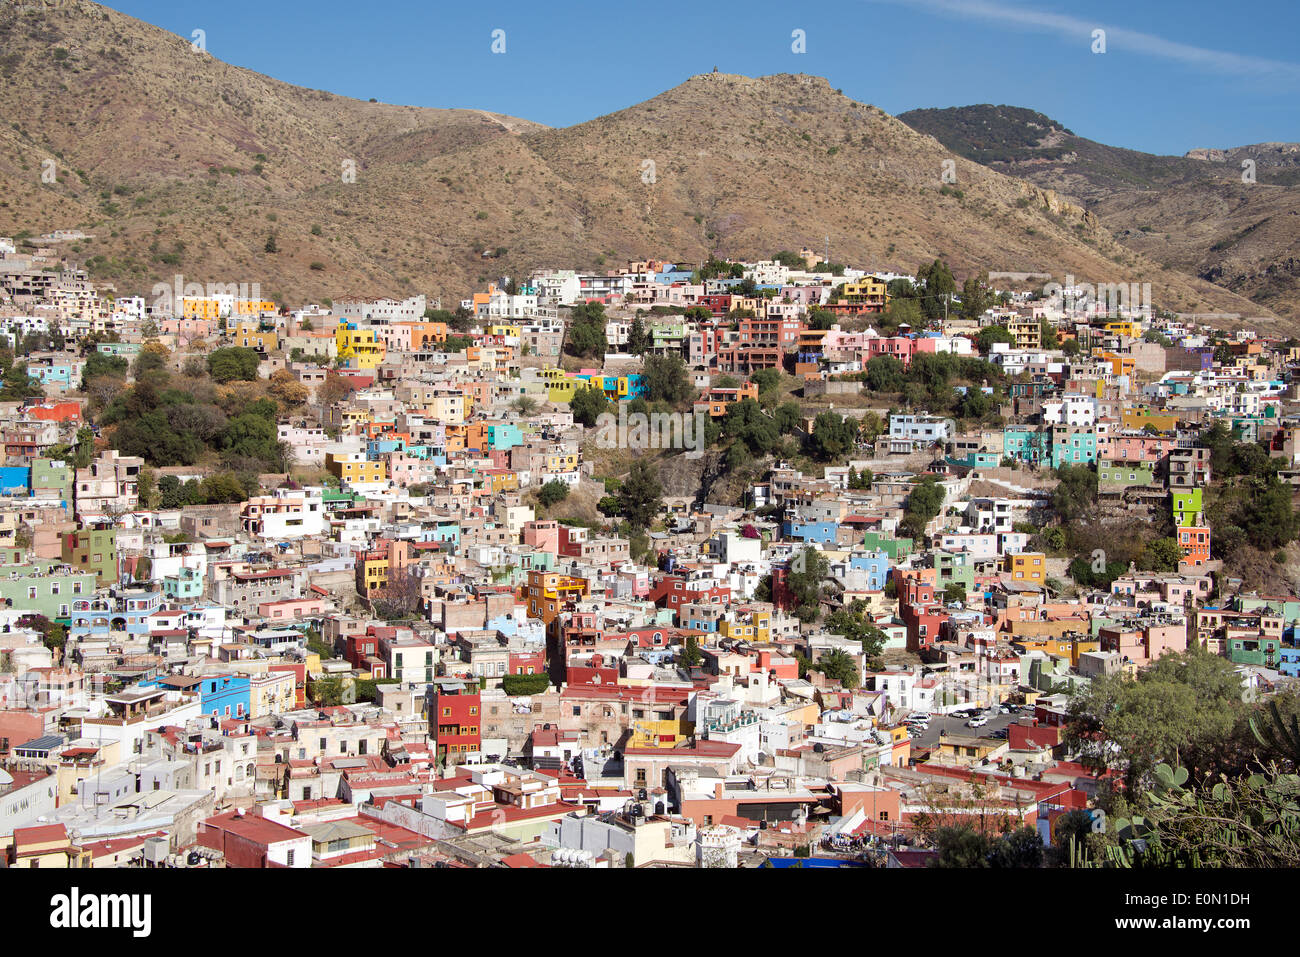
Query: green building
{"points": [[1124, 474], [93, 549], [52, 479], [44, 586]]}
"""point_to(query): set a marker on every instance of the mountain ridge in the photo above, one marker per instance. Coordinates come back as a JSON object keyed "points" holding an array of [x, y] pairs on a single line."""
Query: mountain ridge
{"points": [[191, 165]]}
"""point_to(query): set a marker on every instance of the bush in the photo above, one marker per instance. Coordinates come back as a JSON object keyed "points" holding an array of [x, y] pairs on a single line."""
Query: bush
{"points": [[525, 684]]}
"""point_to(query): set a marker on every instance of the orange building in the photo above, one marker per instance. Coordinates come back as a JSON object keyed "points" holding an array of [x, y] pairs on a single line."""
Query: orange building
{"points": [[547, 592]]}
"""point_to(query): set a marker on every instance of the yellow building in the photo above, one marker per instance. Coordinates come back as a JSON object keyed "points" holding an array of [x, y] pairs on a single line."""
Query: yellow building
{"points": [[1028, 333], [560, 388], [1138, 419], [359, 348], [563, 462], [1027, 568], [213, 307], [274, 692], [355, 469], [448, 406], [1127, 328], [504, 481], [869, 290], [1065, 646], [46, 846], [658, 733], [250, 336], [1120, 365]]}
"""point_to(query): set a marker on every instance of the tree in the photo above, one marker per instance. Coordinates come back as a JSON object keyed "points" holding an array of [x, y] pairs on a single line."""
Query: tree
{"points": [[286, 387], [975, 297], [1023, 847], [690, 655], [962, 847], [270, 246], [923, 504], [666, 379], [640, 496], [1182, 710], [18, 385], [833, 436], [400, 597], [838, 665], [588, 404], [885, 374], [987, 336], [553, 492], [1161, 555], [233, 362], [808, 572], [1075, 492], [851, 623], [638, 341], [1047, 335], [334, 389], [939, 288], [586, 330]]}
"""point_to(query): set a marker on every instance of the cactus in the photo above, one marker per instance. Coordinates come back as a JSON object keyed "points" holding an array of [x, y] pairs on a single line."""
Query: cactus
{"points": [[1279, 736]]}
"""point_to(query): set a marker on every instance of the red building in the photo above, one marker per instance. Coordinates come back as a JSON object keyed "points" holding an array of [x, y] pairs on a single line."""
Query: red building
{"points": [[673, 591], [55, 412], [526, 663], [455, 719]]}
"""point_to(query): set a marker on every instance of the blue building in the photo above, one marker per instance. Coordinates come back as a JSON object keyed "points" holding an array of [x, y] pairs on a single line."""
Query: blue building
{"points": [[824, 532], [875, 564], [225, 696]]}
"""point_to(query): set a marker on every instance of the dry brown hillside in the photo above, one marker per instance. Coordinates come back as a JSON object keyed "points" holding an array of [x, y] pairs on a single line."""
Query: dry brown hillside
{"points": [[177, 162]]}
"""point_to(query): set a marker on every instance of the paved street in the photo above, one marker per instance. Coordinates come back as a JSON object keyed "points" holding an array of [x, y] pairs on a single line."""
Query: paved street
{"points": [[958, 726]]}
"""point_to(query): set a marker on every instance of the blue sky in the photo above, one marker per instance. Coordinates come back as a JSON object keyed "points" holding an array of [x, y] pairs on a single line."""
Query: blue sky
{"points": [[1175, 74]]}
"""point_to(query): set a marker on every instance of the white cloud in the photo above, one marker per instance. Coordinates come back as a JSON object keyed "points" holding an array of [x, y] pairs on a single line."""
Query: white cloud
{"points": [[1074, 28]]}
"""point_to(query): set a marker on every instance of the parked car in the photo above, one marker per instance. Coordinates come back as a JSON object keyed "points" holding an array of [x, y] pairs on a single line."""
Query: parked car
{"points": [[977, 722]]}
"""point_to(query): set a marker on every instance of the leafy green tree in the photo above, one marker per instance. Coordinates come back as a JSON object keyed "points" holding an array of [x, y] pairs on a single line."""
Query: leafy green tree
{"points": [[638, 340], [851, 623], [1161, 555], [975, 297], [233, 363], [1023, 847], [1075, 493], [833, 436], [18, 385], [553, 492], [987, 336], [923, 504], [1182, 710], [690, 655], [667, 380], [885, 374], [939, 288], [962, 847], [586, 331], [838, 665], [808, 572], [588, 404], [640, 496]]}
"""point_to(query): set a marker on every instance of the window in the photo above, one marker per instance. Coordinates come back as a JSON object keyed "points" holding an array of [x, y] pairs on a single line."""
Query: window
{"points": [[288, 859]]}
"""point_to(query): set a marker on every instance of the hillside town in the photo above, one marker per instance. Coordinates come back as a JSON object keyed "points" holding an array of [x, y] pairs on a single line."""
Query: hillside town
{"points": [[780, 563]]}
